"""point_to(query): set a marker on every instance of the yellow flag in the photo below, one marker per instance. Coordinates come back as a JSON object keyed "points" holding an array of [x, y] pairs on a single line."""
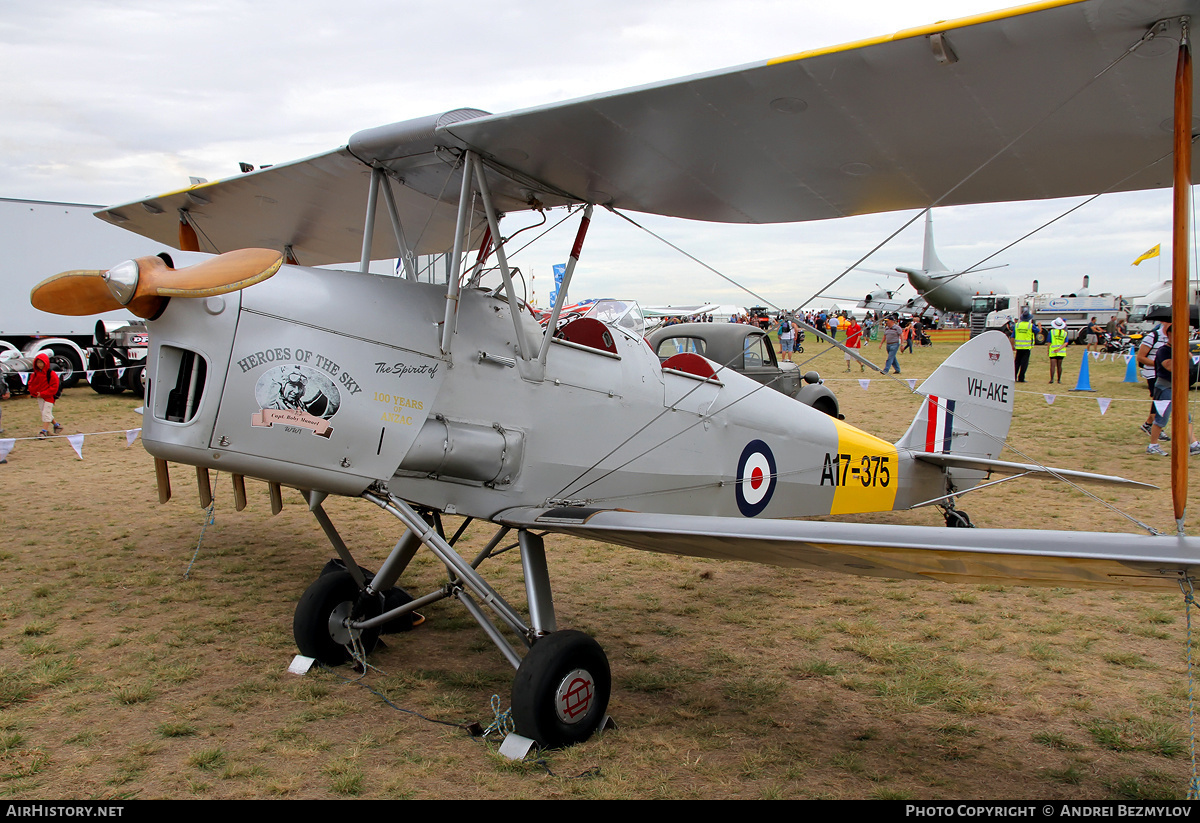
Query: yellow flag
{"points": [[1152, 253]]}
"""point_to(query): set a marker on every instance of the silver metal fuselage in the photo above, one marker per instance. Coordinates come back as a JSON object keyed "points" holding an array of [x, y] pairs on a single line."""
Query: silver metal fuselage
{"points": [[465, 432]]}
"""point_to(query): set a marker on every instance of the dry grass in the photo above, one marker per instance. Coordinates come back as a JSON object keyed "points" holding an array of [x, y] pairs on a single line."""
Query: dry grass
{"points": [[121, 678]]}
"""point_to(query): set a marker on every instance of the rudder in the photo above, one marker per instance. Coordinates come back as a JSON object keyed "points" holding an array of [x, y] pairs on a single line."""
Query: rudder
{"points": [[968, 408]]}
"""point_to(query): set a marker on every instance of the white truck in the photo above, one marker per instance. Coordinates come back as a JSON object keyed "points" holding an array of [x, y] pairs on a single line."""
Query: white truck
{"points": [[1159, 295], [42, 238], [993, 311]]}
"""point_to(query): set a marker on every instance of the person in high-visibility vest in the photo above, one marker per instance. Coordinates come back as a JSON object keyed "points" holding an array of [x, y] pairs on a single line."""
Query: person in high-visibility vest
{"points": [[1022, 343], [1058, 348]]}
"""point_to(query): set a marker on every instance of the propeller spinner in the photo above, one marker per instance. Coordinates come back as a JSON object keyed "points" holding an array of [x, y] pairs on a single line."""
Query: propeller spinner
{"points": [[143, 285]]}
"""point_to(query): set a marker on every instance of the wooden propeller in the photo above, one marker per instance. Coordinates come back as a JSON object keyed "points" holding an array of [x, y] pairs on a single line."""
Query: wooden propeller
{"points": [[142, 286]]}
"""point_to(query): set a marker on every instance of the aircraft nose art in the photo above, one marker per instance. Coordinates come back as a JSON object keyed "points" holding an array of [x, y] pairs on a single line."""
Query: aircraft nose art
{"points": [[316, 381]]}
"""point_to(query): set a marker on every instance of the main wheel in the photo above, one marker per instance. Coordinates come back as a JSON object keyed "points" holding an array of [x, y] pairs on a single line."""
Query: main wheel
{"points": [[318, 625], [561, 690], [104, 374], [958, 519], [133, 380]]}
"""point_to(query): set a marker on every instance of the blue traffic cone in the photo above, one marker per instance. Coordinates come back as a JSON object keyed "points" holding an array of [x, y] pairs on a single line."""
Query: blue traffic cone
{"points": [[1085, 381], [1131, 372]]}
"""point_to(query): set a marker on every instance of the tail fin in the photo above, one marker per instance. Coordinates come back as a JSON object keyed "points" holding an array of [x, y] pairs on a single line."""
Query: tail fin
{"points": [[929, 258], [970, 402]]}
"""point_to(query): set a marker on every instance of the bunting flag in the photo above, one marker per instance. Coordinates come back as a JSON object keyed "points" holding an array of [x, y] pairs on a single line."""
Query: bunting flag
{"points": [[90, 374], [1149, 253], [6, 445], [24, 375], [76, 441], [1050, 398], [1127, 356], [139, 410], [1162, 406], [912, 382], [1103, 401], [120, 372], [131, 435], [864, 383], [1196, 358], [1095, 355]]}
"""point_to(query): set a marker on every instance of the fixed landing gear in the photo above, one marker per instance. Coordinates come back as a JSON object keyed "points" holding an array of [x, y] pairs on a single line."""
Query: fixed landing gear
{"points": [[957, 519], [320, 623], [562, 684], [561, 690]]}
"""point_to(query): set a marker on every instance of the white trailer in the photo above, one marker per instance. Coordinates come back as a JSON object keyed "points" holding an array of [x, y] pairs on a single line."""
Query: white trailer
{"points": [[38, 239], [993, 311]]}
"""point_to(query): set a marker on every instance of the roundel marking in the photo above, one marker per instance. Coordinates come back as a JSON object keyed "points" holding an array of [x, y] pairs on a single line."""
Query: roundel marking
{"points": [[756, 477]]}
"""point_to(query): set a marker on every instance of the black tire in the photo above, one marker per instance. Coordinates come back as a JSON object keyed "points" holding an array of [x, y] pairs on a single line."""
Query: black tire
{"points": [[104, 375], [314, 623], [561, 690], [133, 380], [958, 519], [68, 372], [64, 361]]}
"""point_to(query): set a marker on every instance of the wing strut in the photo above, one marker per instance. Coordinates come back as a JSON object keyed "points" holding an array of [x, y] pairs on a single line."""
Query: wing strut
{"points": [[1180, 303], [552, 323], [485, 195], [461, 229]]}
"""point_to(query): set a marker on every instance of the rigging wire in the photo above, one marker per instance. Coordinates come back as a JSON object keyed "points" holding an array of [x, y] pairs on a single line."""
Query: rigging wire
{"points": [[1146, 37]]}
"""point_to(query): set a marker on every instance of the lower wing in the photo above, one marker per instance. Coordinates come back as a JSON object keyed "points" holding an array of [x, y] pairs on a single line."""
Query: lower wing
{"points": [[1020, 556]]}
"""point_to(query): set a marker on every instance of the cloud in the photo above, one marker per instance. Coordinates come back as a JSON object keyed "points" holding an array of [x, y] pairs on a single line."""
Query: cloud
{"points": [[110, 102]]}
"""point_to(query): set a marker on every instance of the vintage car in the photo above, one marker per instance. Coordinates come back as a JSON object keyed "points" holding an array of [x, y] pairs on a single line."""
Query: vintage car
{"points": [[747, 349]]}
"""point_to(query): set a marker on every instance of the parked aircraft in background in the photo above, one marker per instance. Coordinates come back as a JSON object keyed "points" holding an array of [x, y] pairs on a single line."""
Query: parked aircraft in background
{"points": [[946, 290]]}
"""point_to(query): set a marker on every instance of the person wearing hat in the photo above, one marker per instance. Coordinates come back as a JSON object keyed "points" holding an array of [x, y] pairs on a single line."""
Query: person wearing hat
{"points": [[1022, 342], [1057, 347]]}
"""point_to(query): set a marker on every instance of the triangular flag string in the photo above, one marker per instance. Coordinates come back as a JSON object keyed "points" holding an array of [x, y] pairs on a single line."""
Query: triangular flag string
{"points": [[1103, 401], [912, 382], [1050, 398], [6, 445], [131, 435], [864, 383], [76, 441]]}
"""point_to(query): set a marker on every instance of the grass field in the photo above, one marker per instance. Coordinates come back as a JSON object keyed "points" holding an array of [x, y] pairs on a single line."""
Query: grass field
{"points": [[125, 675]]}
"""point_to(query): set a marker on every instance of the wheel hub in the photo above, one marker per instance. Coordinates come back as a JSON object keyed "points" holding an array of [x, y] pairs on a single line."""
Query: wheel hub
{"points": [[338, 629], [574, 696]]}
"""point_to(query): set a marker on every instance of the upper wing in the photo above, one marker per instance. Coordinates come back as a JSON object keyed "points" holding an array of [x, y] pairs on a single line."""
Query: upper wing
{"points": [[1045, 558], [1029, 106]]}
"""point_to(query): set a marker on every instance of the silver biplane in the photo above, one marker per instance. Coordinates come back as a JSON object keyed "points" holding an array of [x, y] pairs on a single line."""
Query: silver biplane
{"points": [[427, 400]]}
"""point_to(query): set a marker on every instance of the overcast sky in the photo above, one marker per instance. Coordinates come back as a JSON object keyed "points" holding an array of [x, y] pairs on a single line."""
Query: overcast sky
{"points": [[107, 102]]}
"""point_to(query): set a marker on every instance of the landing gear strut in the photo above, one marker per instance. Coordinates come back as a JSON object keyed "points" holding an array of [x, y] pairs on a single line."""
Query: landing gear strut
{"points": [[320, 625], [955, 518], [562, 685]]}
